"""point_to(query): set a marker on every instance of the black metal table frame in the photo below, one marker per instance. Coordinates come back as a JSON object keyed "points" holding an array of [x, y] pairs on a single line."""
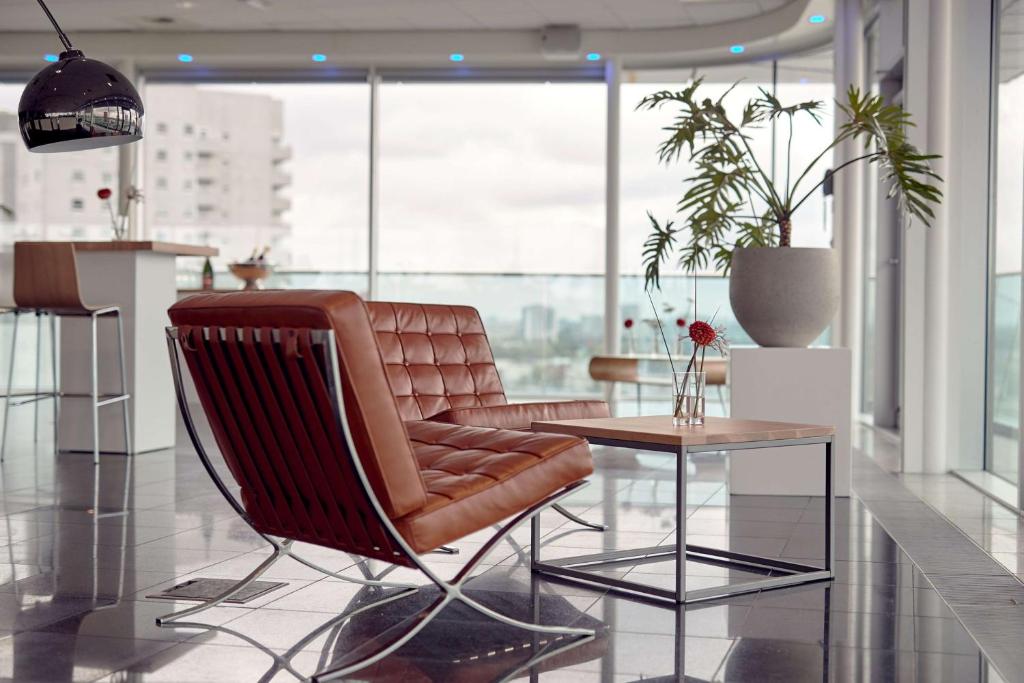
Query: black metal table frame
{"points": [[576, 568]]}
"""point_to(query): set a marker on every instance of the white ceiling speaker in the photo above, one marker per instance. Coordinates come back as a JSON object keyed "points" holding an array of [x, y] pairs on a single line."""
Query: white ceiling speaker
{"points": [[560, 41]]}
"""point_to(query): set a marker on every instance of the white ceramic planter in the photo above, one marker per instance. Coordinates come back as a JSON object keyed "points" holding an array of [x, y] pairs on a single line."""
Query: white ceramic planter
{"points": [[784, 296]]}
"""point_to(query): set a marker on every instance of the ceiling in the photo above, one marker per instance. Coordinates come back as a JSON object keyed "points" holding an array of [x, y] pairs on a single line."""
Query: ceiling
{"points": [[375, 15]]}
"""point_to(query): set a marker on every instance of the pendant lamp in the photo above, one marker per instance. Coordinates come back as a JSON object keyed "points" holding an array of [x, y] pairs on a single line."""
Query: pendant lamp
{"points": [[78, 103]]}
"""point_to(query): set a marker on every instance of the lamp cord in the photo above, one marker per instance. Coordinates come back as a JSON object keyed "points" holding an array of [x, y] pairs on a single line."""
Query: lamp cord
{"points": [[60, 32]]}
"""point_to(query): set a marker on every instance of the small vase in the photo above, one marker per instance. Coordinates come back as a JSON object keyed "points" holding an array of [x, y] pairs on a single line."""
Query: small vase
{"points": [[688, 398]]}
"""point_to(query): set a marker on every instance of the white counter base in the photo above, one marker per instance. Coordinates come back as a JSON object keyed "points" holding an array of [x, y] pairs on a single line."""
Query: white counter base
{"points": [[142, 283]]}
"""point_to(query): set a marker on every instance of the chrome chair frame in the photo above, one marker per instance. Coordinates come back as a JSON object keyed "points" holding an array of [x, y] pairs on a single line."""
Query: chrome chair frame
{"points": [[451, 590], [98, 400]]}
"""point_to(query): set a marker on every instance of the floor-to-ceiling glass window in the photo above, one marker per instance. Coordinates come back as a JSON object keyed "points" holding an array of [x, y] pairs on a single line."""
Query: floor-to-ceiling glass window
{"points": [[1007, 226], [648, 185], [492, 195], [279, 169]]}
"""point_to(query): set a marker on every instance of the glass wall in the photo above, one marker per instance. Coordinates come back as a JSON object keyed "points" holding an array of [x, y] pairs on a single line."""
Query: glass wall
{"points": [[492, 195], [648, 185], [261, 166], [1007, 226]]}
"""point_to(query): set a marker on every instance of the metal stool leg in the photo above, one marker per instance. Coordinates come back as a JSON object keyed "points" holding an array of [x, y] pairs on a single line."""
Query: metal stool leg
{"points": [[95, 396], [56, 382], [10, 380], [124, 386], [39, 366]]}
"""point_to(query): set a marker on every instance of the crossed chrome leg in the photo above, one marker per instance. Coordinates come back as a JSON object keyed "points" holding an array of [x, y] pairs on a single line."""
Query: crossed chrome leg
{"points": [[452, 591], [579, 520]]}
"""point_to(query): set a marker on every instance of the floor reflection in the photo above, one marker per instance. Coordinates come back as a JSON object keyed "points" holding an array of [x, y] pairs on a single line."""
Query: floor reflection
{"points": [[83, 547]]}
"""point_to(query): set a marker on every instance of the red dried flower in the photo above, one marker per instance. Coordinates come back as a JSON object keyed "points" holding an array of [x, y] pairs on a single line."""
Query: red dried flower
{"points": [[702, 334], [680, 322], [628, 323], [104, 193]]}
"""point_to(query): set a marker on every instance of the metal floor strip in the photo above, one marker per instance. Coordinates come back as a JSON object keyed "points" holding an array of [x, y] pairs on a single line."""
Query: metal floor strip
{"points": [[986, 598]]}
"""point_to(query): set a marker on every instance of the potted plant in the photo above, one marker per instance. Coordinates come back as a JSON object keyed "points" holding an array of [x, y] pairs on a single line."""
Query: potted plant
{"points": [[739, 219]]}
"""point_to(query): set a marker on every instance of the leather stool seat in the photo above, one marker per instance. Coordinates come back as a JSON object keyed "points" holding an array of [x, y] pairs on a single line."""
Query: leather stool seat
{"points": [[476, 477]]}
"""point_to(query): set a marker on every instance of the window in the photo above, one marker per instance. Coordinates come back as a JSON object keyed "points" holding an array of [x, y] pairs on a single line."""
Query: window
{"points": [[161, 155], [161, 183], [78, 175], [470, 191], [188, 129], [648, 185], [299, 183], [161, 127], [77, 204], [1007, 230]]}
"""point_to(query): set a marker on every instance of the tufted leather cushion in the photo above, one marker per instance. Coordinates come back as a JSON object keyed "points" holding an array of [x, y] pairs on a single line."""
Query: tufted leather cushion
{"points": [[373, 417], [437, 357], [523, 415], [476, 477]]}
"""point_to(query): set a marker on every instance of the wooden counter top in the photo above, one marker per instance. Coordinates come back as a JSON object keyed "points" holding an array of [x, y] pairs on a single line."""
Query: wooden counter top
{"points": [[158, 247]]}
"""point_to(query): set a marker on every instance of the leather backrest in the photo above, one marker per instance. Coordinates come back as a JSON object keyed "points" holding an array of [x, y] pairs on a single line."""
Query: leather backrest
{"points": [[437, 357], [46, 275], [378, 433]]}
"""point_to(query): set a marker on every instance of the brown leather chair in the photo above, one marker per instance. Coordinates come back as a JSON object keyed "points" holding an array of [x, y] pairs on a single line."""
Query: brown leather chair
{"points": [[440, 368], [46, 283], [294, 387]]}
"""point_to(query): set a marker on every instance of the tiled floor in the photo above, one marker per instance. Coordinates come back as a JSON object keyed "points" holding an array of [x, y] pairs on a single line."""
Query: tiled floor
{"points": [[82, 549]]}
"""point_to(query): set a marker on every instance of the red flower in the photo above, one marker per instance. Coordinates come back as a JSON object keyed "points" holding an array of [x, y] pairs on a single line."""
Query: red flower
{"points": [[104, 193], [628, 323], [680, 322], [702, 334]]}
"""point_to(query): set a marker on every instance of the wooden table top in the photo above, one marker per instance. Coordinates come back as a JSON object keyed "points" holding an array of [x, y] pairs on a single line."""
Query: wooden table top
{"points": [[171, 248], [659, 430]]}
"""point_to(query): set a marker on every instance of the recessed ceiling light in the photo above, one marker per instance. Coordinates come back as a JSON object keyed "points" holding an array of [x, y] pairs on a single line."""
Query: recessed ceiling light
{"points": [[184, 57], [816, 18], [737, 49], [51, 58], [317, 57], [593, 56], [457, 57], [185, 4]]}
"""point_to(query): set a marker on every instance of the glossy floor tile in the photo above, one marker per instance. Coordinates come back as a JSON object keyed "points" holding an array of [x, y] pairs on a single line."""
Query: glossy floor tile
{"points": [[82, 550]]}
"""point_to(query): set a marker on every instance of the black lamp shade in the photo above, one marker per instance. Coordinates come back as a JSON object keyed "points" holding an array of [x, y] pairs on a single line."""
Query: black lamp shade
{"points": [[78, 103]]}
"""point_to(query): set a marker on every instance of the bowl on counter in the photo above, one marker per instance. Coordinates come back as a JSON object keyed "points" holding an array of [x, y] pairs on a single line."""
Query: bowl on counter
{"points": [[251, 274]]}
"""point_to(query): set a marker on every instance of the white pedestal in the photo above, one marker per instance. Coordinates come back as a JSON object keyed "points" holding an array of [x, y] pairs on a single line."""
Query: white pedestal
{"points": [[812, 386], [142, 283]]}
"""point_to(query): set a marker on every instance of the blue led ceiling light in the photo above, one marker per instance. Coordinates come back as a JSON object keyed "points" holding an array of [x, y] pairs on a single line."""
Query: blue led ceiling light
{"points": [[737, 49], [457, 57], [51, 58], [816, 19], [185, 58], [318, 57], [593, 56]]}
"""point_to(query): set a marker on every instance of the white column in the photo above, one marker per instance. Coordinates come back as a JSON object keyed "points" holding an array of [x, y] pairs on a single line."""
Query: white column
{"points": [[945, 269], [127, 161], [611, 236], [373, 226], [848, 225]]}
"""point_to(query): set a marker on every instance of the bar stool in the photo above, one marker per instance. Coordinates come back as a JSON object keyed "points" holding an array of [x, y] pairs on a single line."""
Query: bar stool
{"points": [[46, 283]]}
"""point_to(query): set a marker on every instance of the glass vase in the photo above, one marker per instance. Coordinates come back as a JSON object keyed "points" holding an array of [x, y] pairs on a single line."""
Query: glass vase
{"points": [[688, 398]]}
